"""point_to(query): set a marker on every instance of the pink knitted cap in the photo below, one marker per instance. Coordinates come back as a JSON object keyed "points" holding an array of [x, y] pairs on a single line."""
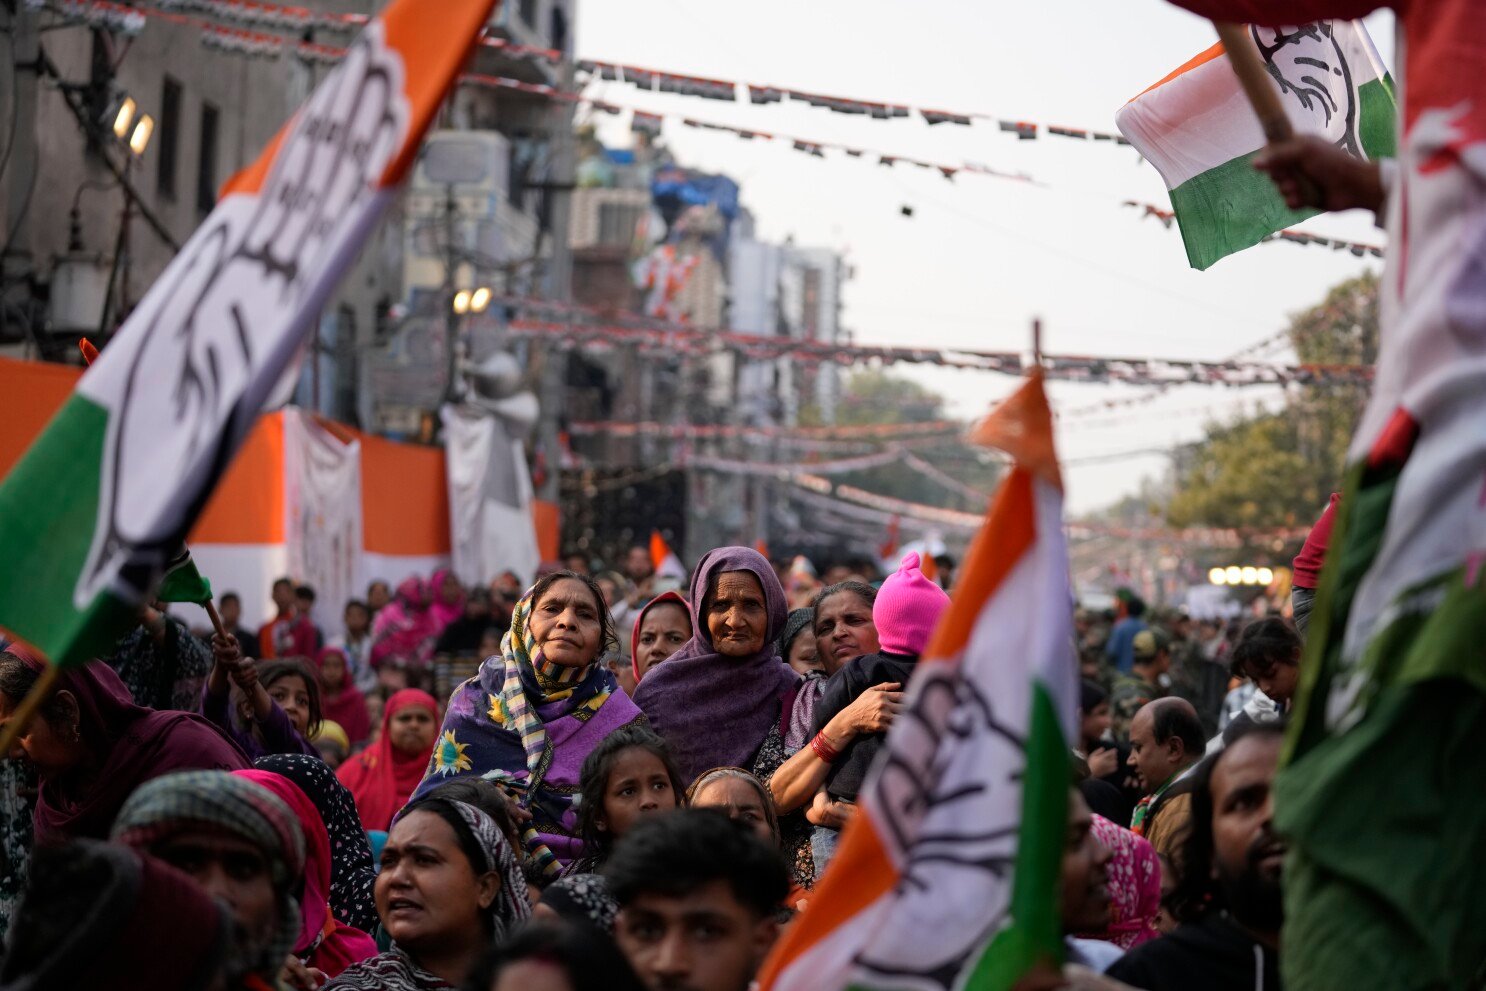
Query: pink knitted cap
{"points": [[907, 608]]}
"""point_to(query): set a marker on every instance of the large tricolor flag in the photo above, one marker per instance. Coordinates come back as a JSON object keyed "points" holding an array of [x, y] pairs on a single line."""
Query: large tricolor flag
{"points": [[91, 517], [1197, 128], [947, 876]]}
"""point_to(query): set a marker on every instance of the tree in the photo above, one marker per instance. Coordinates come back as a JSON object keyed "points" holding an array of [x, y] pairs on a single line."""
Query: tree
{"points": [[1277, 469]]}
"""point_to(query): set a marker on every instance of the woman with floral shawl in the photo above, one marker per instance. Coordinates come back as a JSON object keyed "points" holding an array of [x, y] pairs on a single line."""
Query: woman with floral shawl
{"points": [[533, 712]]}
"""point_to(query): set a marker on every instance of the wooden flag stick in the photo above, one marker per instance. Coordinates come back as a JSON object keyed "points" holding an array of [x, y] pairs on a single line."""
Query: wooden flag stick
{"points": [[211, 611], [20, 720], [1256, 81]]}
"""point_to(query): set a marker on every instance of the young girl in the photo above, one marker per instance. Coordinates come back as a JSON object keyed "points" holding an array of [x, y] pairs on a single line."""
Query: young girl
{"points": [[628, 776], [278, 703], [341, 700]]}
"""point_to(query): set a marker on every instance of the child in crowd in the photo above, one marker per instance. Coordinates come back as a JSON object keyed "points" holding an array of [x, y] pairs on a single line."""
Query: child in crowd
{"points": [[357, 643], [628, 777], [341, 701], [277, 703], [905, 612]]}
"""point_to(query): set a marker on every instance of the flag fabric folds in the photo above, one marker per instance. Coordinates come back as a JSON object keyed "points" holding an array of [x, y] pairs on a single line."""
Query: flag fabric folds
{"points": [[947, 876], [1197, 128], [94, 512]]}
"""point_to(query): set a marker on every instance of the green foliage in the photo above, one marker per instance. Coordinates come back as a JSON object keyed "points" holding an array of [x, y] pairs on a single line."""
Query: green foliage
{"points": [[1276, 469]]}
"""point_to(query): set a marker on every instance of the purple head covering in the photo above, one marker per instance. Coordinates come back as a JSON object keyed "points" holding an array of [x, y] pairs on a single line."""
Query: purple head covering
{"points": [[715, 711], [132, 745]]}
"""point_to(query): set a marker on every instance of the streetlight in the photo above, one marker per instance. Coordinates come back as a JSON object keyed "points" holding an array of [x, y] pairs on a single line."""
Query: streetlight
{"points": [[480, 299], [140, 139], [123, 117], [462, 302]]}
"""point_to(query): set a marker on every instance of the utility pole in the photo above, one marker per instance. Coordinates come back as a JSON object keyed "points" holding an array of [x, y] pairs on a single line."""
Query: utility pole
{"points": [[559, 287]]}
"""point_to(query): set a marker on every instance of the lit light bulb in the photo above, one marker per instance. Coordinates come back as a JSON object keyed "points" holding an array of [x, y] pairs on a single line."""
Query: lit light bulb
{"points": [[1234, 574], [1266, 576], [124, 117], [480, 299], [140, 139], [1250, 575], [1217, 576], [462, 302]]}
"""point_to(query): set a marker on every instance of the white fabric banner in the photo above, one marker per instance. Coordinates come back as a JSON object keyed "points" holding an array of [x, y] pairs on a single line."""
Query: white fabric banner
{"points": [[322, 513], [490, 499]]}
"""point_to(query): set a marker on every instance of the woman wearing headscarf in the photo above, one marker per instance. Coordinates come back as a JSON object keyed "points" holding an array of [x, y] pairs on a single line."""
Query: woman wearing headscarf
{"points": [[239, 841], [92, 746], [450, 888], [718, 700], [352, 872], [662, 627], [531, 715], [446, 604], [323, 944], [341, 702], [116, 902], [402, 635], [1134, 873], [383, 776]]}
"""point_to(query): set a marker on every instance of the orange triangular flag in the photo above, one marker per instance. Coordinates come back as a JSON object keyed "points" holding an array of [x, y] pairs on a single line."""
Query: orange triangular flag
{"points": [[1022, 426]]}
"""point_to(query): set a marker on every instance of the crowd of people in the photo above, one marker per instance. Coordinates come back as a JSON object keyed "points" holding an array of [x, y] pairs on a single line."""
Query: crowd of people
{"points": [[638, 787]]}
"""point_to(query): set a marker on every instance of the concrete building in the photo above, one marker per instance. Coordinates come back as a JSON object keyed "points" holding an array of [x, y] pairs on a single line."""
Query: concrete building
{"points": [[78, 253]]}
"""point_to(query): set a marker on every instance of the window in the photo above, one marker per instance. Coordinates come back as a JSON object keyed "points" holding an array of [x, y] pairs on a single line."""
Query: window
{"points": [[169, 136], [528, 11], [206, 165]]}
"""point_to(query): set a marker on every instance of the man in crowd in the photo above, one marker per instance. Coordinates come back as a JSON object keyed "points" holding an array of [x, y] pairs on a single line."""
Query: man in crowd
{"points": [[378, 594], [304, 602], [230, 609], [1227, 898], [1307, 565], [638, 567], [288, 634], [1166, 742], [1129, 613], [1084, 896], [1151, 660], [698, 900]]}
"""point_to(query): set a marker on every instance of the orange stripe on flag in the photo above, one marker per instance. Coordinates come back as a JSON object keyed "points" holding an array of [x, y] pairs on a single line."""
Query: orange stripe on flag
{"points": [[1200, 59], [1009, 532], [860, 874]]}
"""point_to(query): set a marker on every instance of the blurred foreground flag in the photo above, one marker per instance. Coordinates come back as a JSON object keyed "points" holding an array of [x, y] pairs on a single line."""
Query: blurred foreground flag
{"points": [[94, 513], [947, 877], [1197, 128]]}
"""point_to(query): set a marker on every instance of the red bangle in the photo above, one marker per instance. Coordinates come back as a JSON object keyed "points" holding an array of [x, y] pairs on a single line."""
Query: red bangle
{"points": [[823, 748]]}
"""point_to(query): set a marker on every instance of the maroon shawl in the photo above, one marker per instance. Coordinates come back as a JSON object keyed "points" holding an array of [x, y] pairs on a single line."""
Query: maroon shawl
{"points": [[715, 711], [131, 744]]}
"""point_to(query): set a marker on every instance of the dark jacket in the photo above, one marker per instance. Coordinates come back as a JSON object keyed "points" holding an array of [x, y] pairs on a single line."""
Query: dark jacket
{"points": [[1213, 954], [858, 675]]}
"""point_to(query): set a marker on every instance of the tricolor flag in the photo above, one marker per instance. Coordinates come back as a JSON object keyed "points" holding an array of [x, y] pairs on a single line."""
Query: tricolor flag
{"points": [[1197, 128], [93, 514], [947, 876], [663, 559]]}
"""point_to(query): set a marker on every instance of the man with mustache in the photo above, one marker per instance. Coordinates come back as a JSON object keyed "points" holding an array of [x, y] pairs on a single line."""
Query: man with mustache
{"points": [[1228, 896]]}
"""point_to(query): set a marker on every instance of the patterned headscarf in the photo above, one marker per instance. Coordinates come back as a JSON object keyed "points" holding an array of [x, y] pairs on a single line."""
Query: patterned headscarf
{"points": [[1134, 886], [191, 800], [527, 724], [513, 904]]}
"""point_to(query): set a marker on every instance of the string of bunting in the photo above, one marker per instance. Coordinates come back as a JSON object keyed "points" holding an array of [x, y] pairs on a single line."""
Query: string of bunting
{"points": [[1360, 249], [659, 80], [707, 431], [1069, 368]]}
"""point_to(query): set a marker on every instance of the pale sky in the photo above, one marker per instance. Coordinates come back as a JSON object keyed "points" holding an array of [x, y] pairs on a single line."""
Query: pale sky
{"points": [[981, 257]]}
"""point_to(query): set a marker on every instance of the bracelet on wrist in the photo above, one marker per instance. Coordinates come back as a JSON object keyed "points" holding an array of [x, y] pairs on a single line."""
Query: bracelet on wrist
{"points": [[823, 748]]}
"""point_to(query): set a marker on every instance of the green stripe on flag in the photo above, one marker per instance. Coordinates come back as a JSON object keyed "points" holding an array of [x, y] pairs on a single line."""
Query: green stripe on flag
{"points": [[48, 512], [1233, 206], [183, 583], [1035, 934]]}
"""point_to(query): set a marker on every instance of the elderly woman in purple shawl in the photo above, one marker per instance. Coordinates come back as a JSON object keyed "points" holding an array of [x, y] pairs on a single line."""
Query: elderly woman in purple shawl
{"points": [[534, 711]]}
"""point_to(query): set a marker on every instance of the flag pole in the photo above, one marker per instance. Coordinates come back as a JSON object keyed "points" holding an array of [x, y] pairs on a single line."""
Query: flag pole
{"points": [[20, 720], [1255, 79], [211, 611]]}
